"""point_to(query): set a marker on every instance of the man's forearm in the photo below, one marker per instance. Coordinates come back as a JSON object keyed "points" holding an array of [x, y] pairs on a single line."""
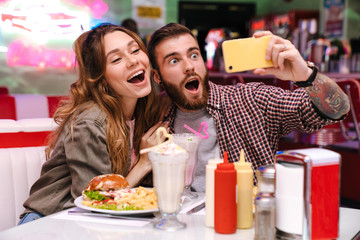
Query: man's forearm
{"points": [[328, 97]]}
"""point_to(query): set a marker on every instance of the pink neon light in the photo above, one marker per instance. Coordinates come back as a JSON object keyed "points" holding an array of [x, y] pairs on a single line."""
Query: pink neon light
{"points": [[97, 7], [21, 53]]}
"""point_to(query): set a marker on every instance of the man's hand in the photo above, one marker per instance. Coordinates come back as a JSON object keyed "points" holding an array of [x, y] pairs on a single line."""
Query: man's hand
{"points": [[287, 60], [143, 166]]}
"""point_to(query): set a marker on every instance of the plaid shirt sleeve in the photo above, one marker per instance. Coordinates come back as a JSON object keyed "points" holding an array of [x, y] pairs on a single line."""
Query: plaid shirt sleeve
{"points": [[254, 116], [285, 111]]}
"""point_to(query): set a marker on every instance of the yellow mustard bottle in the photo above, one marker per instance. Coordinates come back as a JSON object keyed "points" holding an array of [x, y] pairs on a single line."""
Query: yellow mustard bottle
{"points": [[245, 184]]}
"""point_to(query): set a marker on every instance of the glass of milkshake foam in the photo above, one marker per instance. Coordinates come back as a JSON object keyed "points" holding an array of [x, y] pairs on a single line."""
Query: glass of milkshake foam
{"points": [[168, 166], [190, 142]]}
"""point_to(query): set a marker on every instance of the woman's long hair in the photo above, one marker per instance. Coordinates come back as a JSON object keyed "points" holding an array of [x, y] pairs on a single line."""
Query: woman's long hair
{"points": [[91, 88]]}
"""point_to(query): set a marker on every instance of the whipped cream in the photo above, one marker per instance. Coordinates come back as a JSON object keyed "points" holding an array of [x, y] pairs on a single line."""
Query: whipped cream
{"points": [[169, 149]]}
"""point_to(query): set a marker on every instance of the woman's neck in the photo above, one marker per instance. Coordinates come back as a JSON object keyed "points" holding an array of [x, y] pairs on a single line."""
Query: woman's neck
{"points": [[128, 107]]}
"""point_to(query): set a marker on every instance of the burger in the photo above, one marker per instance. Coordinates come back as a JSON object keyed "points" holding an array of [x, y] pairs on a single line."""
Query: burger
{"points": [[104, 191], [112, 192]]}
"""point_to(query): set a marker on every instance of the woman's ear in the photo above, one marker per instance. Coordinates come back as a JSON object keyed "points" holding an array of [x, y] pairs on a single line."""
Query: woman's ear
{"points": [[155, 76]]}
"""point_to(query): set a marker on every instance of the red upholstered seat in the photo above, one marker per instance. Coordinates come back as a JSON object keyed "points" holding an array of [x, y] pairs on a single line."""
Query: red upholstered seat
{"points": [[7, 107], [53, 103], [4, 90], [348, 129], [350, 125]]}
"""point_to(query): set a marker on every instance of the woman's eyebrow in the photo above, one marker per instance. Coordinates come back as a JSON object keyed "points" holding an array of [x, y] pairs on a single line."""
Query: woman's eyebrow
{"points": [[118, 49]]}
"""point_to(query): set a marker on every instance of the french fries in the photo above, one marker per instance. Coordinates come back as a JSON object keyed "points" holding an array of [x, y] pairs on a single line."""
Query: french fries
{"points": [[142, 198]]}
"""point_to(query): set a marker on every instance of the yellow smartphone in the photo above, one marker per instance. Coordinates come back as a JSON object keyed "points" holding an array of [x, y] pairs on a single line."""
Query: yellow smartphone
{"points": [[245, 54]]}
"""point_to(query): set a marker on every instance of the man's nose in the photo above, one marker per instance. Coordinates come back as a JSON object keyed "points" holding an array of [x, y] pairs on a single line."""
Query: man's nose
{"points": [[189, 67]]}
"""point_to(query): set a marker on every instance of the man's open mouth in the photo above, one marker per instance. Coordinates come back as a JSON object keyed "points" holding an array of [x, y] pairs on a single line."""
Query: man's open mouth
{"points": [[192, 85], [137, 77]]}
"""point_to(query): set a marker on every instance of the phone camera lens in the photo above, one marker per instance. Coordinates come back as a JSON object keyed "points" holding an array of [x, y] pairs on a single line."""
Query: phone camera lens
{"points": [[230, 67]]}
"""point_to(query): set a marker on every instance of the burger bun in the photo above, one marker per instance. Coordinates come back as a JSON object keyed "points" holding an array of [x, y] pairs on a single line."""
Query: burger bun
{"points": [[107, 182]]}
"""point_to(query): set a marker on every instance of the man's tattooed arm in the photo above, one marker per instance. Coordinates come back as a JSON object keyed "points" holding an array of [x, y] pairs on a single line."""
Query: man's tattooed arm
{"points": [[328, 97]]}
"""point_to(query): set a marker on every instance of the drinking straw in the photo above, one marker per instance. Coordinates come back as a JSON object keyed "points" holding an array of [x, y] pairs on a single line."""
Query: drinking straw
{"points": [[166, 134], [198, 133]]}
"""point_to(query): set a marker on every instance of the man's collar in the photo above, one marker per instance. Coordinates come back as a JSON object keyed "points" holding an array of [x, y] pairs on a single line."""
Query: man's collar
{"points": [[214, 100]]}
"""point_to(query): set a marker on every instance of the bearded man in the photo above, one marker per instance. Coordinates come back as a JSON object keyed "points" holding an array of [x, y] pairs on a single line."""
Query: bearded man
{"points": [[249, 116]]}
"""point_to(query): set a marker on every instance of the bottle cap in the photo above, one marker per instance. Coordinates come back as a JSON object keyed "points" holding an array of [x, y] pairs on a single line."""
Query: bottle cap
{"points": [[225, 165], [242, 165], [267, 171]]}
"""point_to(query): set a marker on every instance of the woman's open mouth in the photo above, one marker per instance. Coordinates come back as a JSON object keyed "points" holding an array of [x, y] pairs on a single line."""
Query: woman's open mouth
{"points": [[138, 77]]}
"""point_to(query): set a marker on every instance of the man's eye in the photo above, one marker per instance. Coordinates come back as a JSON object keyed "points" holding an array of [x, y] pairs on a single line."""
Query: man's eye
{"points": [[116, 60], [173, 61], [194, 55]]}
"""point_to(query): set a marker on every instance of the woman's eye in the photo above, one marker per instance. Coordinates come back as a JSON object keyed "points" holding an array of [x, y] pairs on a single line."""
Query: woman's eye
{"points": [[173, 61], [116, 60], [136, 50]]}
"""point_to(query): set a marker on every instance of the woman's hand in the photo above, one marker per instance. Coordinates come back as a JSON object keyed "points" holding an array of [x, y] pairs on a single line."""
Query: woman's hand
{"points": [[287, 60], [143, 166], [149, 138]]}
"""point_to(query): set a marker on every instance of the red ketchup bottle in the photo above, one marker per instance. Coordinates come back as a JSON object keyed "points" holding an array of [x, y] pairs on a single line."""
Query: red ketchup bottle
{"points": [[225, 197]]}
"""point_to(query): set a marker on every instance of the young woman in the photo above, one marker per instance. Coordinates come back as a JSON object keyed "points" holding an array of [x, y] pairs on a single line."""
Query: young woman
{"points": [[111, 114]]}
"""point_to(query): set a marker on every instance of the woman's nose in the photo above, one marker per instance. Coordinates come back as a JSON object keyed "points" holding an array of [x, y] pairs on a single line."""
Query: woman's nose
{"points": [[132, 61]]}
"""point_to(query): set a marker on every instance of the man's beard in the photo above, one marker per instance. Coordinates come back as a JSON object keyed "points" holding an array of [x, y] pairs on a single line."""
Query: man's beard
{"points": [[179, 98]]}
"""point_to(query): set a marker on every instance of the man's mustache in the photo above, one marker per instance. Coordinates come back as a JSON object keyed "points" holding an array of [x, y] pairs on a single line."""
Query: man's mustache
{"points": [[189, 76]]}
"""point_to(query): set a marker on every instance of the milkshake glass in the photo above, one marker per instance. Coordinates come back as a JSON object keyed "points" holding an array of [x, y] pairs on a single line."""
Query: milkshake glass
{"points": [[190, 142], [168, 166]]}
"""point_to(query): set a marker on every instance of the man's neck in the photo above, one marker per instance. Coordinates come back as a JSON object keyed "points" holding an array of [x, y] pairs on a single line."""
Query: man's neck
{"points": [[186, 110]]}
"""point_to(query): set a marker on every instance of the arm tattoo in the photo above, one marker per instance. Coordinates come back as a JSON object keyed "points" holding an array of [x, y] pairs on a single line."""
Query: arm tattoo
{"points": [[328, 97]]}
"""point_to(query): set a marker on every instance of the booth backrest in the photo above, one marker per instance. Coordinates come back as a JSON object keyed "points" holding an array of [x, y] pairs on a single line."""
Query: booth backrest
{"points": [[4, 90], [53, 103], [7, 107], [19, 169], [31, 106], [22, 145], [24, 106]]}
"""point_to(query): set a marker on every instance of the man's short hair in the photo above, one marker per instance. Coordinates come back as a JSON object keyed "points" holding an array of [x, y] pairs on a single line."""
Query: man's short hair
{"points": [[168, 31]]}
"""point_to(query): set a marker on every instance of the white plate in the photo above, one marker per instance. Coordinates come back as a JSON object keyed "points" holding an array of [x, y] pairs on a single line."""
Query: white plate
{"points": [[78, 203]]}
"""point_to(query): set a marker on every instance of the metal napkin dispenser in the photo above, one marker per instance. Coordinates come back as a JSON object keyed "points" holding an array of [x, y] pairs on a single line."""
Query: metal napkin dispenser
{"points": [[307, 194]]}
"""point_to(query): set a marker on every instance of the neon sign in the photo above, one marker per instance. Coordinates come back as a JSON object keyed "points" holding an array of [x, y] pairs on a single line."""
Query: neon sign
{"points": [[41, 21], [97, 7], [21, 53], [48, 18]]}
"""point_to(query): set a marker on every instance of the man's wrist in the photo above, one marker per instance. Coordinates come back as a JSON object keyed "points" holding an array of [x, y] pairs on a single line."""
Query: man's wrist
{"points": [[311, 79]]}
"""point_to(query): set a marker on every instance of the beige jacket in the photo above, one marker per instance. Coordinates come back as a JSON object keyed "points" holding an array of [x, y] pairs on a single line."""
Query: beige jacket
{"points": [[73, 163]]}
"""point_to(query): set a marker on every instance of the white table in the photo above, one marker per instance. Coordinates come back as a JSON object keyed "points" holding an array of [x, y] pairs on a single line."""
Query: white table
{"points": [[51, 228]]}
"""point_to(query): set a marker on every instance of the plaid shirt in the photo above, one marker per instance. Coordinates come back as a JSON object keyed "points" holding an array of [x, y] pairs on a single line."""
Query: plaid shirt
{"points": [[254, 116]]}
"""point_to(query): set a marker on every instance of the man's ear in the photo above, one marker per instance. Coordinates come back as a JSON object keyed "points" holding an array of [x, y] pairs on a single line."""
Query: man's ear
{"points": [[155, 76]]}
